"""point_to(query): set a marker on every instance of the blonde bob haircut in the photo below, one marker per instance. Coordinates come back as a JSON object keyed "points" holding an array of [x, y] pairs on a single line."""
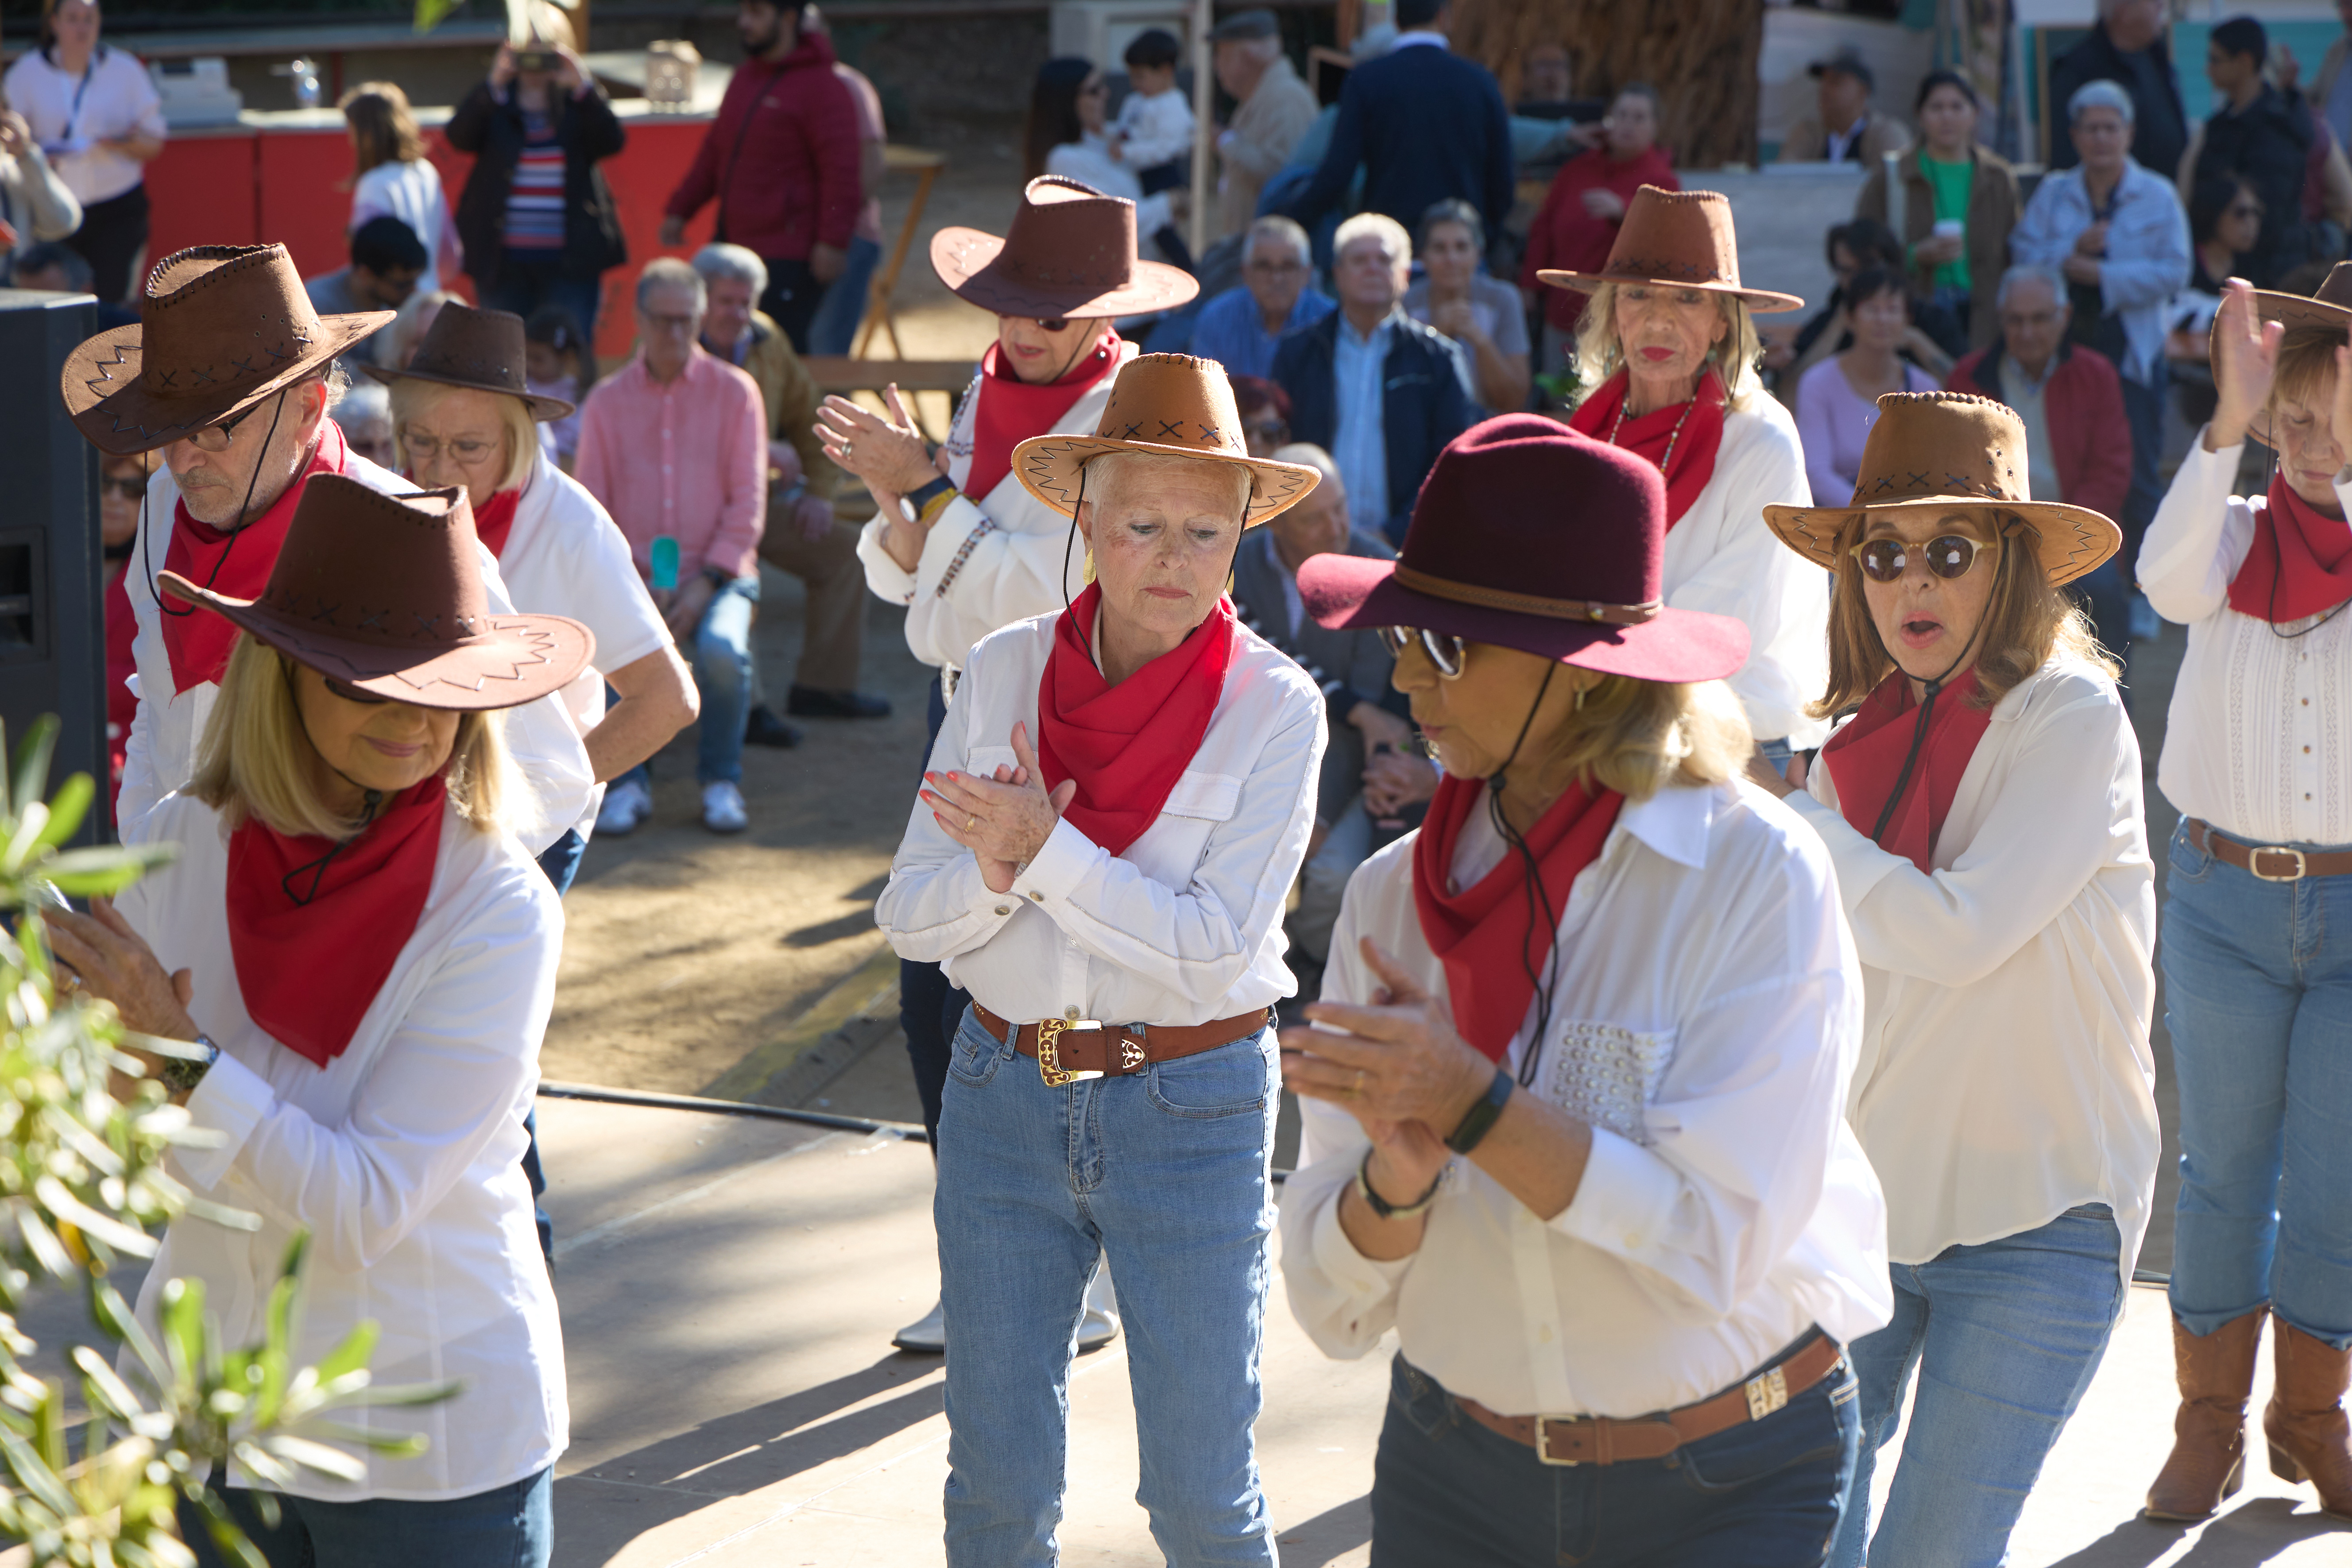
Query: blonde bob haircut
{"points": [[1638, 737], [2027, 620], [255, 761], [413, 399], [1735, 356]]}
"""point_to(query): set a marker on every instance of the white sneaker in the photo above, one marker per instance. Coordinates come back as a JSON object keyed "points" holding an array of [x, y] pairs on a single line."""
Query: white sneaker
{"points": [[626, 806], [722, 809], [927, 1336]]}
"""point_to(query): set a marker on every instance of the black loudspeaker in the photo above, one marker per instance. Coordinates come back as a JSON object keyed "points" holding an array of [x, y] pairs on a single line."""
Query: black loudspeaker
{"points": [[52, 622]]}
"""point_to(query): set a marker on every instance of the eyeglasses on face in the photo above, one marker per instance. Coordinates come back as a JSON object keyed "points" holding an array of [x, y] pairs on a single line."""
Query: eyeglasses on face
{"points": [[2243, 210], [352, 694], [130, 486], [465, 451], [216, 437], [1446, 651], [1948, 556], [1284, 268]]}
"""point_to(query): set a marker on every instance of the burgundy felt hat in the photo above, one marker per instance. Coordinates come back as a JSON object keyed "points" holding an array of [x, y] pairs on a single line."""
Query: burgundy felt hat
{"points": [[1531, 536]]}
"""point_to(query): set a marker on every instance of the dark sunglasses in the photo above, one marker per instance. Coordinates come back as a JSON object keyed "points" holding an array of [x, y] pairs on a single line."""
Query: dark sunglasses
{"points": [[1445, 651], [352, 693], [130, 489], [1051, 323], [1948, 556]]}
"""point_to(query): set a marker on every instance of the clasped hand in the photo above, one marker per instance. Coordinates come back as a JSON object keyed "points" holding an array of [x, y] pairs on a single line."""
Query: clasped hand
{"points": [[113, 963], [1003, 820]]}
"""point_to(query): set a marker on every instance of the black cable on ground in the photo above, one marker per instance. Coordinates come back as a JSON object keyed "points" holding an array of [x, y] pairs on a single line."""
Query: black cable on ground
{"points": [[911, 1131]]}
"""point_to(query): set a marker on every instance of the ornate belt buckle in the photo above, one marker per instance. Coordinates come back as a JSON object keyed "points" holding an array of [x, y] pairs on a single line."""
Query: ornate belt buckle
{"points": [[2254, 862], [1049, 1054], [1767, 1392]]}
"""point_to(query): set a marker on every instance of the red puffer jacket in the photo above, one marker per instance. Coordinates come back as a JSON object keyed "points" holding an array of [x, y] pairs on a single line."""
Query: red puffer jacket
{"points": [[781, 157]]}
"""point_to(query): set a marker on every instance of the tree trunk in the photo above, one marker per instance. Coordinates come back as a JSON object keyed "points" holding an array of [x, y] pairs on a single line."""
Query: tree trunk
{"points": [[1700, 54]]}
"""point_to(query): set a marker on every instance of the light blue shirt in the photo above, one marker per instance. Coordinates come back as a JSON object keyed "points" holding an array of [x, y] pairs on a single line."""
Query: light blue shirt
{"points": [[2147, 253], [1230, 330], [1360, 443]]}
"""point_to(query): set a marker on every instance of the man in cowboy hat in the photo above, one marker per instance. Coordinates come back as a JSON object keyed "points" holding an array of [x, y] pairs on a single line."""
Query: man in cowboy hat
{"points": [[1116, 807], [959, 542], [229, 374]]}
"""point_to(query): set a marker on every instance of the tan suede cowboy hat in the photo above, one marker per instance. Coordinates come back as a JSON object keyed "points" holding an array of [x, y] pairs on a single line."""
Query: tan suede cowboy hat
{"points": [[220, 327], [2330, 307], [1070, 251], [1676, 239], [1943, 452], [479, 349], [384, 592], [1163, 405]]}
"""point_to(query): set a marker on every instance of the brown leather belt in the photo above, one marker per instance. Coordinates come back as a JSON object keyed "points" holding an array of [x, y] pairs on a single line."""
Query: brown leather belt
{"points": [[2272, 862], [1069, 1049], [1598, 1441]]}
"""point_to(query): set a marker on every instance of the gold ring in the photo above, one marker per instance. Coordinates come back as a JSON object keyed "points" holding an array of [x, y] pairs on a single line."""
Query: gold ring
{"points": [[1358, 1086], [972, 821]]}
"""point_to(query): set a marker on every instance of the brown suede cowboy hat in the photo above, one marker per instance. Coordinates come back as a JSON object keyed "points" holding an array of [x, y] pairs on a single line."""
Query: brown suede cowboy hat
{"points": [[2330, 307], [220, 327], [1070, 251], [1945, 452], [384, 592], [1163, 405], [479, 349], [1676, 239]]}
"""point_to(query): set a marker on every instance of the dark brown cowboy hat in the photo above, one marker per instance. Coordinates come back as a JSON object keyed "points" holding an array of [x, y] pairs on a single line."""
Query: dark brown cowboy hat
{"points": [[479, 349], [1164, 405], [220, 327], [1495, 555], [2330, 307], [1070, 251], [1676, 239], [1943, 452], [384, 592]]}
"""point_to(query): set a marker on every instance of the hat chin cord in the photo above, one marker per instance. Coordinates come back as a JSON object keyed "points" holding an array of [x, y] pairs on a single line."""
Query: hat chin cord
{"points": [[1919, 728], [1538, 897], [237, 527]]}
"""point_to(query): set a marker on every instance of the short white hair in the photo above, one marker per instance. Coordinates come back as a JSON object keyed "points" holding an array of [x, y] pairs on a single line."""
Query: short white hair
{"points": [[2049, 277], [1275, 229], [669, 272], [720, 262], [1107, 475], [1307, 454], [2099, 95], [1389, 231]]}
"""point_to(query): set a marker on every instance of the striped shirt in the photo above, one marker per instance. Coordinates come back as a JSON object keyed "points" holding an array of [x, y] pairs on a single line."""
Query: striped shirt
{"points": [[535, 200]]}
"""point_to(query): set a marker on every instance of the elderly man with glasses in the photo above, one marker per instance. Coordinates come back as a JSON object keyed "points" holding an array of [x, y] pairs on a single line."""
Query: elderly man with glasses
{"points": [[1239, 327]]}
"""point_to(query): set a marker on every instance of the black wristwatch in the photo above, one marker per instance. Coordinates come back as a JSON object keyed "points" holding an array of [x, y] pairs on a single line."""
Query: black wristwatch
{"points": [[1479, 1120], [181, 1075]]}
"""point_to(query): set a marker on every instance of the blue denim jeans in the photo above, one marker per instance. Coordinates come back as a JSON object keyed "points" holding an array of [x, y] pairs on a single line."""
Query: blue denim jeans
{"points": [[2005, 1336], [528, 279], [510, 1526], [721, 657], [1167, 1172], [2258, 996], [835, 325], [1448, 1493]]}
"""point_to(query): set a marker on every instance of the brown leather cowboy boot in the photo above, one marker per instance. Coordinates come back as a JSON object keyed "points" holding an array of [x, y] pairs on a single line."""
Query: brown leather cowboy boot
{"points": [[2310, 1438], [2216, 1372]]}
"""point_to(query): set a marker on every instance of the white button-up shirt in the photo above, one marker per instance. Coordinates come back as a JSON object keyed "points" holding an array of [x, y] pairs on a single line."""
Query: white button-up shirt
{"points": [[1721, 558], [1705, 1025], [2256, 742], [401, 1157], [989, 560], [1185, 926], [2005, 1075], [161, 754]]}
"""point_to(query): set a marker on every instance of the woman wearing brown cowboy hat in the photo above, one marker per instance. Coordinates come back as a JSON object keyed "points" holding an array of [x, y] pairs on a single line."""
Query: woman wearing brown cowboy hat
{"points": [[958, 540], [1982, 808], [1575, 1091], [369, 956], [1115, 811], [2258, 902], [229, 376], [1668, 351], [463, 414]]}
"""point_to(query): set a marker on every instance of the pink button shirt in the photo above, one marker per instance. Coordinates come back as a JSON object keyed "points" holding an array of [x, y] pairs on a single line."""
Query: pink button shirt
{"points": [[688, 459]]}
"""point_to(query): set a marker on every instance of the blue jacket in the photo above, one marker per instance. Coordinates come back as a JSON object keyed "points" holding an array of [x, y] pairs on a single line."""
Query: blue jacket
{"points": [[1421, 401], [1426, 124]]}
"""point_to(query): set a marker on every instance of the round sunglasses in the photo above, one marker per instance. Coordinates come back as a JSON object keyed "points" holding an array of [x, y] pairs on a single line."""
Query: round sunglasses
{"points": [[1948, 556], [1445, 651]]}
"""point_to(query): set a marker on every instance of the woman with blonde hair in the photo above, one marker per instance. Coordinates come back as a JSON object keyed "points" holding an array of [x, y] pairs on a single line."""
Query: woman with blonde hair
{"points": [[393, 177], [1575, 1092], [1668, 351], [1983, 810], [366, 958]]}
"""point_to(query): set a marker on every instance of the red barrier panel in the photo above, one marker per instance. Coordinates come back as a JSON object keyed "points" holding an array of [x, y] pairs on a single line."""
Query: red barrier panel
{"points": [[293, 186]]}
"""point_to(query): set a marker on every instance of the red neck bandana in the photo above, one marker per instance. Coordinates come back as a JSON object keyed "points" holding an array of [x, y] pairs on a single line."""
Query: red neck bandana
{"points": [[1012, 411], [2300, 562], [1128, 744], [495, 520], [316, 927], [1680, 440], [1865, 760], [234, 562], [1484, 935]]}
